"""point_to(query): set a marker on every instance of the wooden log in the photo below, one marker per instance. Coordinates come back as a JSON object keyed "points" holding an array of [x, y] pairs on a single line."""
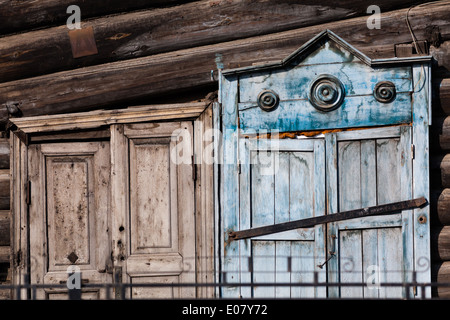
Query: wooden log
{"points": [[144, 33], [4, 189], [441, 88], [4, 228], [440, 170], [440, 273], [142, 78], [5, 252], [24, 15], [440, 207], [440, 243], [4, 153], [440, 135]]}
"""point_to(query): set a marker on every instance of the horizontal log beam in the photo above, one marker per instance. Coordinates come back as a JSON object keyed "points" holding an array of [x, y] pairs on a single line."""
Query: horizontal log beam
{"points": [[149, 32], [440, 170], [4, 189], [440, 207], [440, 135], [5, 252], [4, 228], [440, 273], [142, 78], [440, 243], [23, 15], [443, 94]]}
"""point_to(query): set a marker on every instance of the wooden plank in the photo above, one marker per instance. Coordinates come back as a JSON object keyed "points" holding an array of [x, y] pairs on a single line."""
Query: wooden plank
{"points": [[350, 256], [388, 173], [245, 205], [19, 242], [282, 268], [370, 263], [349, 159], [421, 185], [302, 253], [96, 86], [262, 189], [186, 213], [320, 209], [229, 188], [390, 251], [204, 202], [332, 206], [368, 173], [301, 186], [119, 201], [99, 118], [263, 268], [146, 32]]}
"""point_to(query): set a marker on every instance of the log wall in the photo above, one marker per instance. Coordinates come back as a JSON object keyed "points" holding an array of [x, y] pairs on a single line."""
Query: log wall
{"points": [[156, 51]]}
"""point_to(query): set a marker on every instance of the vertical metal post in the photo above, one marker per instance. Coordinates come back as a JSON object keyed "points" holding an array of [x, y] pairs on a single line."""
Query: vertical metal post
{"points": [[118, 287]]}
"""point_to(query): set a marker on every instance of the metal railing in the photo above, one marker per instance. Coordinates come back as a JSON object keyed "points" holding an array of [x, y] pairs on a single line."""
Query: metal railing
{"points": [[122, 291]]}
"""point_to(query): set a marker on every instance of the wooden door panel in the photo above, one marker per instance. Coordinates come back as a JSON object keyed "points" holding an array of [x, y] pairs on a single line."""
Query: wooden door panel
{"points": [[157, 241], [70, 208], [153, 197]]}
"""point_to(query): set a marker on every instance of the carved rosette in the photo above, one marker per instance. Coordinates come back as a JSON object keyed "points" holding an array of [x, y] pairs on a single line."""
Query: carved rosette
{"points": [[268, 100], [384, 91], [326, 93]]}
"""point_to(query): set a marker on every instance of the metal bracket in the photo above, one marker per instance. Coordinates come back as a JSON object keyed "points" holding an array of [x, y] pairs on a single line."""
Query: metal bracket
{"points": [[311, 222]]}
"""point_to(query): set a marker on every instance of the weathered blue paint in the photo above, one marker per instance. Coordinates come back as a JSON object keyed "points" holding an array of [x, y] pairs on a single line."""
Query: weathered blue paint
{"points": [[421, 187], [329, 173], [293, 83], [299, 115]]}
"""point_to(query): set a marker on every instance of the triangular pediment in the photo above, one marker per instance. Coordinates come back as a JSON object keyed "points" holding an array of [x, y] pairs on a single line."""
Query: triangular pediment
{"points": [[326, 47]]}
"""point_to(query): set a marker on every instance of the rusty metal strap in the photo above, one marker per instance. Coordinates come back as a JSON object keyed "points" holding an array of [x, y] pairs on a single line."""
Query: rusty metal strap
{"points": [[311, 222]]}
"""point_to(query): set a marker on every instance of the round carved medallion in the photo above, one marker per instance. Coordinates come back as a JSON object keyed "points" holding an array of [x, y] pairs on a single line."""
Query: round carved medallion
{"points": [[326, 93], [384, 91], [268, 100]]}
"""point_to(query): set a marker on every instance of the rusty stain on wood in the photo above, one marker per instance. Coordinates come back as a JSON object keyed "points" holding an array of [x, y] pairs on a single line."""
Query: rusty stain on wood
{"points": [[296, 134], [82, 42]]}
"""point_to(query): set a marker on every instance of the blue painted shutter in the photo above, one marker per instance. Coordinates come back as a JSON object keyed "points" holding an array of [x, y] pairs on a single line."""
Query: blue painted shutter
{"points": [[373, 170], [280, 181]]}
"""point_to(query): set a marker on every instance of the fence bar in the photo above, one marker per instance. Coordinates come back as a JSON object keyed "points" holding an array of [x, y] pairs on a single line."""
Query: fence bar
{"points": [[121, 288]]}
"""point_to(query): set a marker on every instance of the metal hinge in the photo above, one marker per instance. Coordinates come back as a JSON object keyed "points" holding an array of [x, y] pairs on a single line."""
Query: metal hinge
{"points": [[194, 169], [18, 258], [28, 192], [413, 152]]}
